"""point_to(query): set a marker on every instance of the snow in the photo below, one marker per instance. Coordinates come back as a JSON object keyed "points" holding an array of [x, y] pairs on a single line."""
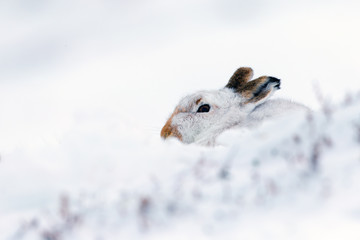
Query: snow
{"points": [[85, 88], [295, 177]]}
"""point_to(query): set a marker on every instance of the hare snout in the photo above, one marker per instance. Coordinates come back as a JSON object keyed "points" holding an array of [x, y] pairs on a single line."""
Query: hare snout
{"points": [[170, 131]]}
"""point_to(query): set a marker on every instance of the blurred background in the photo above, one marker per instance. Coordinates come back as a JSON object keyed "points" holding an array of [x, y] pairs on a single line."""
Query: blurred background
{"points": [[61, 60], [85, 82]]}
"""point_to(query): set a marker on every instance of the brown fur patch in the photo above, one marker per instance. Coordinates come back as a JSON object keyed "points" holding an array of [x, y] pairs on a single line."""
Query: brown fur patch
{"points": [[198, 101], [170, 131], [258, 97], [249, 88], [240, 77], [249, 91]]}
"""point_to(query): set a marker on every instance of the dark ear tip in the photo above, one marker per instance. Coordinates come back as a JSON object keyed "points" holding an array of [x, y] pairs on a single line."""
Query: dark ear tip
{"points": [[276, 82], [274, 79]]}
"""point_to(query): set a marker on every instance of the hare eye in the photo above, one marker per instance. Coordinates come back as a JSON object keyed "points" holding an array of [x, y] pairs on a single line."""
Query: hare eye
{"points": [[204, 108]]}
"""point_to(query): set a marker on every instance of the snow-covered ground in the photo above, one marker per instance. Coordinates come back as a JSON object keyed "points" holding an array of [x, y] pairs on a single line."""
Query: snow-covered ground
{"points": [[85, 87], [292, 178]]}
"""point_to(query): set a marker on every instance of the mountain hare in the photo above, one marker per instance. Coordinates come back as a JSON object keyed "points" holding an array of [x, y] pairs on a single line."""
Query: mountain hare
{"points": [[202, 116]]}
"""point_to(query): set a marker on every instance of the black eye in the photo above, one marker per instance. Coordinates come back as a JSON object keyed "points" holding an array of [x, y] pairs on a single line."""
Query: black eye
{"points": [[204, 108]]}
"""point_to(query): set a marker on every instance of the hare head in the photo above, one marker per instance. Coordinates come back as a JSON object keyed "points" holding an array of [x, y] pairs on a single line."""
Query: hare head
{"points": [[202, 116]]}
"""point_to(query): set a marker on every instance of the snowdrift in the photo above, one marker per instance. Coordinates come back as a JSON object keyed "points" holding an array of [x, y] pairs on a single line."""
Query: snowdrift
{"points": [[296, 177]]}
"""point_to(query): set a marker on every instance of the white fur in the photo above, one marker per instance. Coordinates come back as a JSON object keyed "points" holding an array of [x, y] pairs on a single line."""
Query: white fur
{"points": [[228, 110]]}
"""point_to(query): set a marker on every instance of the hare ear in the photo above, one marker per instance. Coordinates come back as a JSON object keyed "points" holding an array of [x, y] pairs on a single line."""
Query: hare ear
{"points": [[260, 89], [240, 78]]}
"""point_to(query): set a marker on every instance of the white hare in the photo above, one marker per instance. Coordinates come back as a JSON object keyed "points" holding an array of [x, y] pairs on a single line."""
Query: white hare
{"points": [[202, 116]]}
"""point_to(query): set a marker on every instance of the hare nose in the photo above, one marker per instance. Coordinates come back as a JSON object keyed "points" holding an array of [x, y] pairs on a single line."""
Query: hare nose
{"points": [[170, 131]]}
